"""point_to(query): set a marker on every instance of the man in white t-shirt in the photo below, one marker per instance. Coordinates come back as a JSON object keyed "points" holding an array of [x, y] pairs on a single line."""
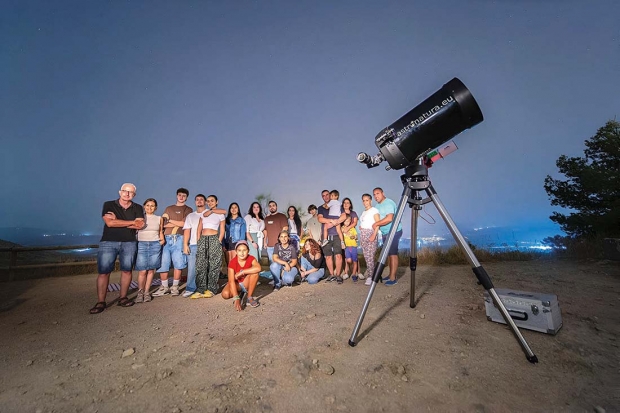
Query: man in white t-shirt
{"points": [[190, 243]]}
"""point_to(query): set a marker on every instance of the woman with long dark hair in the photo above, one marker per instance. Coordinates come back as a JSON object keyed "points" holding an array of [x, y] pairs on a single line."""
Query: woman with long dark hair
{"points": [[235, 231], [294, 226], [255, 227]]}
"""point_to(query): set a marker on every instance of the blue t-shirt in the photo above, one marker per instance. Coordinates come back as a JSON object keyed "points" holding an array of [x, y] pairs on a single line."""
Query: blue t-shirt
{"points": [[387, 207]]}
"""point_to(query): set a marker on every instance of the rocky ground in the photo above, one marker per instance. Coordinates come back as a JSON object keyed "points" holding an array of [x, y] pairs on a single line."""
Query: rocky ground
{"points": [[291, 353]]}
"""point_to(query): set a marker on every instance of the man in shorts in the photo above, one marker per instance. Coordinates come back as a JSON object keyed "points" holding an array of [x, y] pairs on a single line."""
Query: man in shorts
{"points": [[174, 221], [332, 250], [387, 210], [122, 218], [190, 243]]}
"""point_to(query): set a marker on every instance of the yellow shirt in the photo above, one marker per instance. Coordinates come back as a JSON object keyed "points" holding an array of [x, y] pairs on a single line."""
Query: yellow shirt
{"points": [[350, 238]]}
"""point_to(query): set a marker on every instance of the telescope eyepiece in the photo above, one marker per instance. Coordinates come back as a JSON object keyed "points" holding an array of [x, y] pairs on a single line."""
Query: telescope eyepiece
{"points": [[370, 161]]}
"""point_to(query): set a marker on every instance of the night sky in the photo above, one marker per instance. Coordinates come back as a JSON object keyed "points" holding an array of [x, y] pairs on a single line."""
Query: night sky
{"points": [[239, 98]]}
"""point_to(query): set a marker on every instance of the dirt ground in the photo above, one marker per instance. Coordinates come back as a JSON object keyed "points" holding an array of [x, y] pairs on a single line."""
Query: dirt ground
{"points": [[291, 353]]}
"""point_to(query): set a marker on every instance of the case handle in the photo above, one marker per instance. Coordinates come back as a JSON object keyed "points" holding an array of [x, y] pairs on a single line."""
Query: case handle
{"points": [[520, 315]]}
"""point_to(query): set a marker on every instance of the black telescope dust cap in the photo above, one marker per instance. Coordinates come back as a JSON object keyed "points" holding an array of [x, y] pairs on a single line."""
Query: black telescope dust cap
{"points": [[445, 114]]}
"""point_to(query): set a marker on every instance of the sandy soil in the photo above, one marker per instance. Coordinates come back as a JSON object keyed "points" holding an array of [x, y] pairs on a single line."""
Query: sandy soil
{"points": [[291, 353]]}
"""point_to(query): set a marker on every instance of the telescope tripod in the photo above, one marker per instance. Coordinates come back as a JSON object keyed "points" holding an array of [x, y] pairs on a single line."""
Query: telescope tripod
{"points": [[416, 180]]}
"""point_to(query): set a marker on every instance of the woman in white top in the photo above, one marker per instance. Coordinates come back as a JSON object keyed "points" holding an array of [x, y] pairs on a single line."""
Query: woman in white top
{"points": [[209, 254], [150, 241], [255, 226], [368, 236]]}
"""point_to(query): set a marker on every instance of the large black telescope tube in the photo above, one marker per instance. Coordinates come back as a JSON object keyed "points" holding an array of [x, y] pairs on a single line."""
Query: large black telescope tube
{"points": [[446, 113]]}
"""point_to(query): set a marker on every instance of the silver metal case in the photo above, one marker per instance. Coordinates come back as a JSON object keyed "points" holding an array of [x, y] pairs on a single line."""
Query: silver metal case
{"points": [[532, 311]]}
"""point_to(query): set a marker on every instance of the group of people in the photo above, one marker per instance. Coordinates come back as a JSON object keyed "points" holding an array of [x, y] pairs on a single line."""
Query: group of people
{"points": [[197, 240]]}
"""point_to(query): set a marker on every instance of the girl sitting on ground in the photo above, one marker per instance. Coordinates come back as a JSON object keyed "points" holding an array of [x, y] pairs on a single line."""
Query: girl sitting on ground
{"points": [[243, 272]]}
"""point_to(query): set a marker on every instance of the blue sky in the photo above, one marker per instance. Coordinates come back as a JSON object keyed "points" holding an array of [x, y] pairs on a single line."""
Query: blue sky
{"points": [[241, 98]]}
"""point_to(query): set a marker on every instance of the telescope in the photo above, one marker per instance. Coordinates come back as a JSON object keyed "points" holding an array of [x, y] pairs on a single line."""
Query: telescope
{"points": [[408, 143], [443, 115]]}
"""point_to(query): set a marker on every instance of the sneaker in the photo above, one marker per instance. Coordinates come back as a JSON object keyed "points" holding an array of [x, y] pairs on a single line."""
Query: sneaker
{"points": [[368, 281], [174, 290], [385, 279], [354, 278], [390, 283], [252, 302], [338, 280], [361, 276], [196, 296], [208, 294], [147, 297], [139, 297], [345, 277], [276, 288], [161, 291], [187, 294]]}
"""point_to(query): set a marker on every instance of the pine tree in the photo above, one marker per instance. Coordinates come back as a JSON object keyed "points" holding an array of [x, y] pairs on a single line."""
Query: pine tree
{"points": [[591, 188]]}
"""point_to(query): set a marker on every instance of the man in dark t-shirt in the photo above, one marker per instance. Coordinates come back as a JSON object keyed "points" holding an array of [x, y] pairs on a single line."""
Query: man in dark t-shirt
{"points": [[122, 218], [275, 222], [332, 250]]}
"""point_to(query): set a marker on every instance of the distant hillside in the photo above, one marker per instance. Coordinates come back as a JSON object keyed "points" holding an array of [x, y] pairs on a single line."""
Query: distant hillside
{"points": [[8, 244]]}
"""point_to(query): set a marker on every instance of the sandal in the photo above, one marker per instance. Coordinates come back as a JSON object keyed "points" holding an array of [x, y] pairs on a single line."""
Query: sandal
{"points": [[125, 302], [252, 302], [98, 308]]}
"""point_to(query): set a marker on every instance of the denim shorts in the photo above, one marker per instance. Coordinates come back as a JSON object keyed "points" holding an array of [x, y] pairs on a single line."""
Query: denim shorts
{"points": [[394, 247], [149, 255], [173, 254], [109, 250], [351, 253]]}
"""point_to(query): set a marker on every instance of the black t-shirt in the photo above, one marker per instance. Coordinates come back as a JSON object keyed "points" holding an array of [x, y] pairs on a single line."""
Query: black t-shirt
{"points": [[318, 263], [121, 234]]}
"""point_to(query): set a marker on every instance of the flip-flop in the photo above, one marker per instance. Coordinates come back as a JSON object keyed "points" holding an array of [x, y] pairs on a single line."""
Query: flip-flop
{"points": [[98, 308]]}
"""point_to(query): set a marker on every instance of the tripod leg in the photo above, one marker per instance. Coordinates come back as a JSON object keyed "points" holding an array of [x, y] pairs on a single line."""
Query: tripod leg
{"points": [[413, 255], [382, 260], [480, 273]]}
